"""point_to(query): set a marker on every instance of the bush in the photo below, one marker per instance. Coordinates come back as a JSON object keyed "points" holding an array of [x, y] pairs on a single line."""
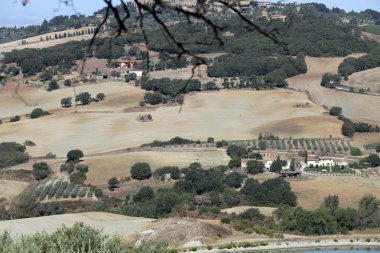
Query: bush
{"points": [[82, 168], [100, 96], [67, 82], [145, 193], [36, 113], [141, 171], [251, 214], [113, 183], [66, 102], [53, 85], [225, 220], [12, 153], [74, 155], [78, 178], [84, 98], [355, 151], [15, 119], [335, 111], [41, 170], [255, 167], [234, 180]]}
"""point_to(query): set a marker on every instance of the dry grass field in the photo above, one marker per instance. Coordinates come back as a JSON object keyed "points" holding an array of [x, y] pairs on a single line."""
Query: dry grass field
{"points": [[103, 168], [10, 189], [355, 106], [350, 189], [21, 100], [230, 115], [111, 224], [368, 79], [361, 139], [34, 42]]}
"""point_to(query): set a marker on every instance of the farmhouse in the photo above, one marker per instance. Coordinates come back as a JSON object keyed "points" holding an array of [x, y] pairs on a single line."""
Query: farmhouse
{"points": [[325, 161], [268, 158], [265, 4], [122, 63]]}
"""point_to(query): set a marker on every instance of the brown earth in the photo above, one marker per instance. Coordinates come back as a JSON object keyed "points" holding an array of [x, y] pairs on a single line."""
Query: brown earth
{"points": [[267, 211], [357, 107], [230, 115], [10, 188]]}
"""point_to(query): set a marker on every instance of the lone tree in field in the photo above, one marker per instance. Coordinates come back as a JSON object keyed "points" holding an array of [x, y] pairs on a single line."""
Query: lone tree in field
{"points": [[36, 113], [66, 102], [84, 98], [141, 171], [335, 111], [74, 155], [53, 85], [113, 183], [100, 96]]}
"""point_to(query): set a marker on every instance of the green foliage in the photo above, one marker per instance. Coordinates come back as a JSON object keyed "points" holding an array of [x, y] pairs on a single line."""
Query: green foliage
{"points": [[200, 181], [348, 129], [255, 167], [78, 178], [84, 98], [67, 82], [46, 75], [144, 194], [368, 210], [12, 153], [249, 227], [154, 98], [100, 96], [36, 113], [276, 165], [234, 180], [231, 198], [171, 87], [53, 85], [82, 168], [330, 81], [41, 170], [292, 165], [141, 171], [236, 151], [234, 162], [272, 192], [173, 171], [318, 222], [331, 202], [351, 65], [335, 111], [252, 214], [74, 155], [166, 199], [356, 151], [113, 183], [15, 119], [79, 238], [66, 102], [174, 141], [372, 160]]}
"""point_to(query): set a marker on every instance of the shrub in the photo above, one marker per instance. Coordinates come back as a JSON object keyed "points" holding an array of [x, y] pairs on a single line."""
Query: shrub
{"points": [[66, 102], [82, 168], [36, 113], [234, 180], [355, 151], [113, 183], [251, 214], [141, 171], [67, 82], [84, 98], [53, 85], [41, 170], [78, 178], [100, 96], [335, 111], [145, 193], [15, 119], [225, 220]]}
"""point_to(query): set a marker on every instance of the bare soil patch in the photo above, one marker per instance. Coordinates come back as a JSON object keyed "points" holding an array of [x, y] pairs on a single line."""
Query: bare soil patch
{"points": [[267, 211], [357, 107]]}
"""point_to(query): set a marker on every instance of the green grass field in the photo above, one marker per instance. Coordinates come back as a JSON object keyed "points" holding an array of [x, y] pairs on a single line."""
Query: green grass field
{"points": [[375, 29]]}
